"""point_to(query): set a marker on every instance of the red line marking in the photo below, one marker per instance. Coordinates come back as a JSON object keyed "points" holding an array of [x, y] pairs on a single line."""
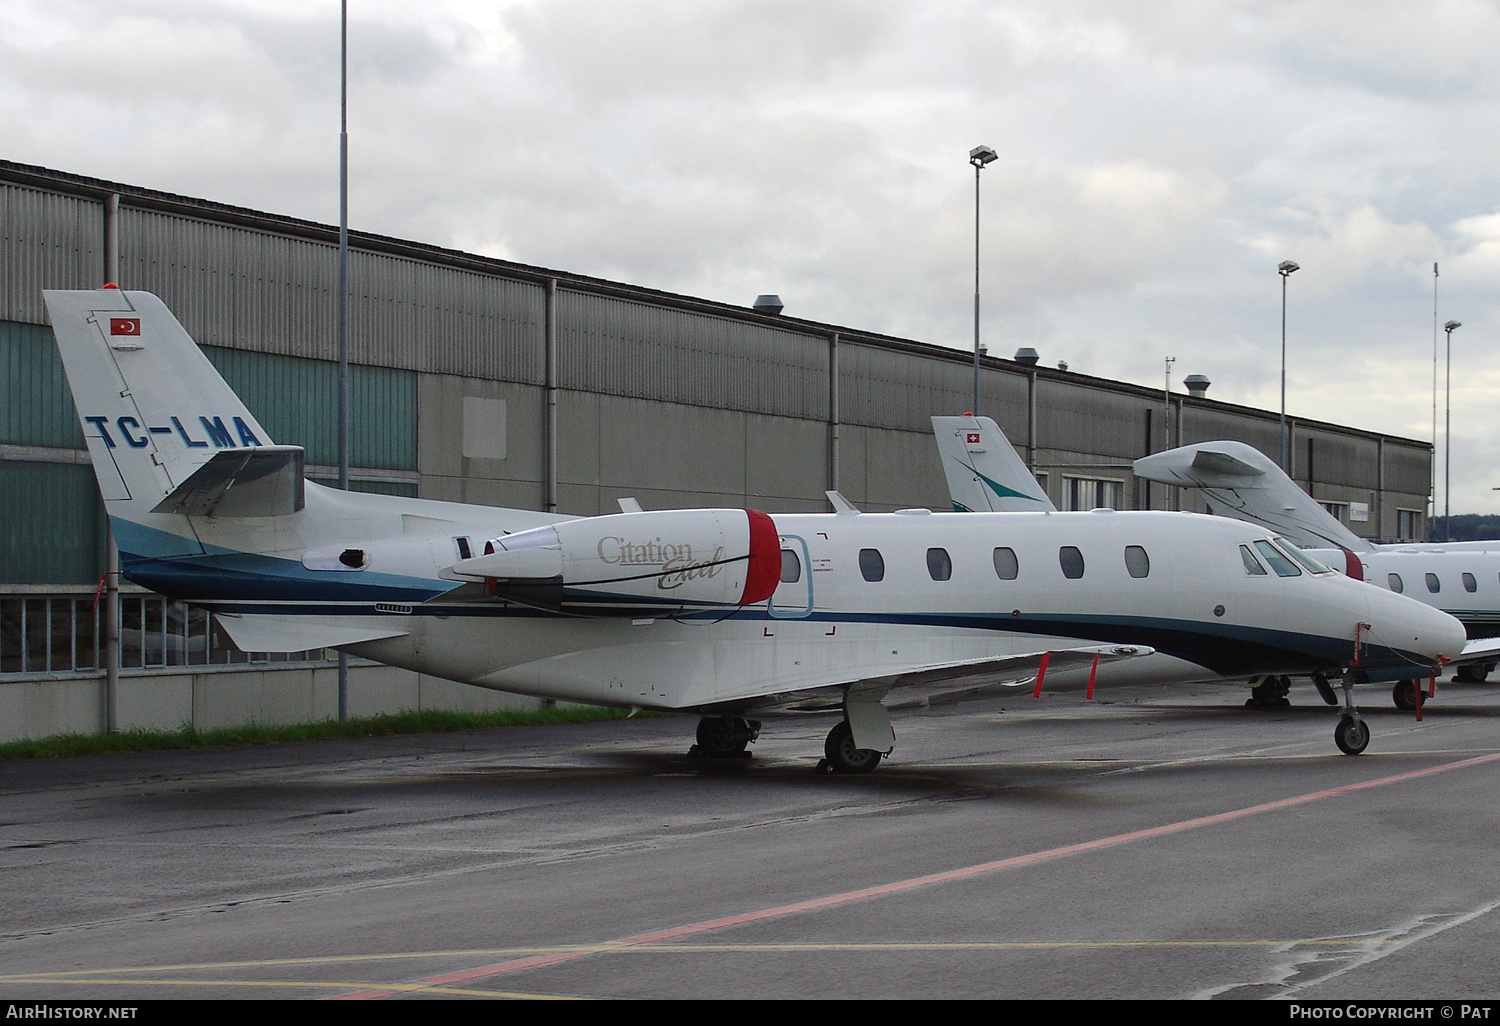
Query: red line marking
{"points": [[929, 880], [1093, 672]]}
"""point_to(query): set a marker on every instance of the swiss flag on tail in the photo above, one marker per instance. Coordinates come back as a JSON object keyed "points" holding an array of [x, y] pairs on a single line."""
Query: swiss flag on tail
{"points": [[124, 325], [972, 439]]}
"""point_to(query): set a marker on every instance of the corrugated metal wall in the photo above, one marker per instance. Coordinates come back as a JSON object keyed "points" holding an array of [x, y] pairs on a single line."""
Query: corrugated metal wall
{"points": [[233, 286], [296, 400], [51, 524], [47, 241], [36, 405], [619, 347]]}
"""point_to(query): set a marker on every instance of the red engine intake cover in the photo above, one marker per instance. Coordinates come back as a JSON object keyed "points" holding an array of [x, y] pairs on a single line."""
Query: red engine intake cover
{"points": [[765, 559], [1353, 567]]}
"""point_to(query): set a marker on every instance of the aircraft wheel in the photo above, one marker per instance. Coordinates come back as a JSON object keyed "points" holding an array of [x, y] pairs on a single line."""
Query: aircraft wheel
{"points": [[1351, 735], [719, 737], [1474, 673], [1404, 694], [841, 754]]}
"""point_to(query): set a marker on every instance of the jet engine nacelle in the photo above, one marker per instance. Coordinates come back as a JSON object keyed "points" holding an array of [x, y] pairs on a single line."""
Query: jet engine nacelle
{"points": [[635, 564]]}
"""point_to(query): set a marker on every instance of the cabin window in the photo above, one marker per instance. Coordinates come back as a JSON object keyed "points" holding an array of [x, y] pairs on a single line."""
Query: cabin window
{"points": [[464, 552], [1394, 580], [1271, 554], [1071, 561], [1136, 561], [1433, 584], [1006, 566], [871, 565], [939, 566], [1470, 585], [791, 567], [1252, 565]]}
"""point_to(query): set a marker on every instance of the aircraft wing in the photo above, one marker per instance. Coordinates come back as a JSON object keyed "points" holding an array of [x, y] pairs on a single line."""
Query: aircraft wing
{"points": [[946, 683], [1479, 650]]}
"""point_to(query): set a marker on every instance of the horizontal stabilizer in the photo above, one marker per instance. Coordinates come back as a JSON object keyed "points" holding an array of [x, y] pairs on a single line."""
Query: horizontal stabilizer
{"points": [[1223, 463], [263, 481], [257, 633]]}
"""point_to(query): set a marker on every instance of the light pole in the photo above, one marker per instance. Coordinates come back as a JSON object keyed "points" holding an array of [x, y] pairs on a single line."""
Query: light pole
{"points": [[343, 299], [1448, 431], [1285, 269], [979, 156]]}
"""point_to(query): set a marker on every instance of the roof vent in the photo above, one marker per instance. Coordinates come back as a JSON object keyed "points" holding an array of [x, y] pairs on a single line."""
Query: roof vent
{"points": [[1196, 384], [1027, 355], [1062, 365], [767, 305]]}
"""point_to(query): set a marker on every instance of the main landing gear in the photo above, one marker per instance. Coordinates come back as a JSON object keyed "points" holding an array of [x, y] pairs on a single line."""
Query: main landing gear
{"points": [[1404, 695], [841, 756], [1270, 693], [1473, 673], [725, 737]]}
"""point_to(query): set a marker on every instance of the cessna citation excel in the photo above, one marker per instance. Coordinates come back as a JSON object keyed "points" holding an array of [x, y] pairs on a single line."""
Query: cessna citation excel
{"points": [[728, 613]]}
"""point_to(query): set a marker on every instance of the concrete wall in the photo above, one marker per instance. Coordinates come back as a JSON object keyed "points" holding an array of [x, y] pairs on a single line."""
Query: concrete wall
{"points": [[36, 707]]}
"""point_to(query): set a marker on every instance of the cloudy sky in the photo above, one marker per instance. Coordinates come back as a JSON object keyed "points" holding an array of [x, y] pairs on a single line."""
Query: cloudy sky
{"points": [[1157, 161]]}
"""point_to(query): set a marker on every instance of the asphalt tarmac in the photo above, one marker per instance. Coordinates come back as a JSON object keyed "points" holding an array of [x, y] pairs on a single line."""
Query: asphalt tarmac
{"points": [[1157, 843]]}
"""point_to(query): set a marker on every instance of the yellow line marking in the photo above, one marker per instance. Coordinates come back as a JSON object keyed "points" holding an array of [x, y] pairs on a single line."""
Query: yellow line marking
{"points": [[77, 975]]}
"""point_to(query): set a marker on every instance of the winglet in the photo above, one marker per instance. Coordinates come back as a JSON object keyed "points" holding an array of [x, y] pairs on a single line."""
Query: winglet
{"points": [[842, 506]]}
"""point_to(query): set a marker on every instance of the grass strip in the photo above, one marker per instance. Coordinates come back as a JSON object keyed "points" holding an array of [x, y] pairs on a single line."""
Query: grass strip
{"points": [[431, 721]]}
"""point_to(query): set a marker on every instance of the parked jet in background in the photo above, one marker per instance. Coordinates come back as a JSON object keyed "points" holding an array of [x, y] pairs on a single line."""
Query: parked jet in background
{"points": [[723, 612], [1239, 481]]}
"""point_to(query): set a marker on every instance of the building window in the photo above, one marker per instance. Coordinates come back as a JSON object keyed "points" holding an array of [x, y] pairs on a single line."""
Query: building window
{"points": [[1409, 525], [1136, 561], [871, 565], [1338, 510], [63, 634], [939, 566], [1006, 566], [1083, 493], [1071, 561]]}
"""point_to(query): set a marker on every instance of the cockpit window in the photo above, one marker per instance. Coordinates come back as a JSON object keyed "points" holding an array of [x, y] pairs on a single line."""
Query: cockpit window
{"points": [[1283, 566], [1313, 566], [1252, 565]]}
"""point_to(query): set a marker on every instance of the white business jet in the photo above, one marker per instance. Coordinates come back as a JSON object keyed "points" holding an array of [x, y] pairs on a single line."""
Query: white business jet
{"points": [[728, 613], [1462, 579]]}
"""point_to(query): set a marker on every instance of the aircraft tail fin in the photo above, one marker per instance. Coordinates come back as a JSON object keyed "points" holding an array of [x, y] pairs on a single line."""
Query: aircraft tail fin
{"points": [[1239, 481], [155, 411], [984, 473]]}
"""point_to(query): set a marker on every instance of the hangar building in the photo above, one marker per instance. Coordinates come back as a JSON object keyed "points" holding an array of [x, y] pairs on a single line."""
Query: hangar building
{"points": [[487, 381]]}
